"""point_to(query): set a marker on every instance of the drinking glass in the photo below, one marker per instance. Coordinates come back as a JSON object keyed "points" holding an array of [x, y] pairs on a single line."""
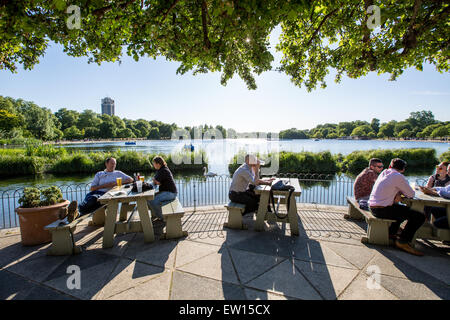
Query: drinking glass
{"points": [[139, 186], [119, 182]]}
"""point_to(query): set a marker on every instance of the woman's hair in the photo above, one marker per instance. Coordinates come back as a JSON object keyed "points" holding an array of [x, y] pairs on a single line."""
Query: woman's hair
{"points": [[159, 160]]}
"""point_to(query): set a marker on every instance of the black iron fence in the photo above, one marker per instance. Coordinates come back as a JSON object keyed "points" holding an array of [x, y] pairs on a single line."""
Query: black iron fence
{"points": [[200, 191]]}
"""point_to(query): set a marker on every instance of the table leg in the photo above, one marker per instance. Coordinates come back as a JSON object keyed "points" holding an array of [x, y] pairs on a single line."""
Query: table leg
{"points": [[147, 225], [110, 224], [262, 210], [293, 216], [124, 209]]}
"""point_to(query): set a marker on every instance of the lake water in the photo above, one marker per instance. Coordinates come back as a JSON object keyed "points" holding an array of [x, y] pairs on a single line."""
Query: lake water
{"points": [[221, 151]]}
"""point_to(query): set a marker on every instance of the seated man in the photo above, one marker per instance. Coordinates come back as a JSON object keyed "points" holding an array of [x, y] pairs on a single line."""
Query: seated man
{"points": [[247, 174], [386, 192], [365, 181], [439, 213], [102, 183]]}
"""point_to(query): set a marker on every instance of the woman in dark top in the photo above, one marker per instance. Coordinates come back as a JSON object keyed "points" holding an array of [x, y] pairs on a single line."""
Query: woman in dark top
{"points": [[167, 188], [441, 178]]}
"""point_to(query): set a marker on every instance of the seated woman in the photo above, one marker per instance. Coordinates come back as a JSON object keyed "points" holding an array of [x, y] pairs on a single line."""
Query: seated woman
{"points": [[167, 188], [441, 178], [436, 186]]}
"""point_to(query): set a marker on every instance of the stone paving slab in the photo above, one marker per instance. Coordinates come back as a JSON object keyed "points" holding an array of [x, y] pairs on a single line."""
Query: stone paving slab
{"points": [[95, 269], [250, 265], [329, 280], [215, 266], [192, 287], [436, 266], [359, 290], [285, 279], [189, 251], [264, 295], [327, 261], [158, 253], [158, 288], [128, 274]]}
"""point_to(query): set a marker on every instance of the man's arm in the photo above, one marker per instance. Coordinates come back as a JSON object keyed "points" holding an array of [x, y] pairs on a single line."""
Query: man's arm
{"points": [[104, 186], [404, 187]]}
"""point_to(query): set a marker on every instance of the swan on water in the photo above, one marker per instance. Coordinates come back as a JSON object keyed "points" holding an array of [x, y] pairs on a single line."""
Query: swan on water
{"points": [[208, 174]]}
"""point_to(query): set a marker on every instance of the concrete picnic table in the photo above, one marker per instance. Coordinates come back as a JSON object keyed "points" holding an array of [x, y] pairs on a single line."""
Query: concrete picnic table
{"points": [[418, 203], [263, 214], [124, 196]]}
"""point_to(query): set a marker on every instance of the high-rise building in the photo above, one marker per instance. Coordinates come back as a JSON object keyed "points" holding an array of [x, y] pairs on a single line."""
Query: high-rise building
{"points": [[108, 106]]}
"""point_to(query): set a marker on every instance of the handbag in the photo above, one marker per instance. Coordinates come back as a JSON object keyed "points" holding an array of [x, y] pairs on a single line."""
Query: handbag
{"points": [[145, 187], [281, 185]]}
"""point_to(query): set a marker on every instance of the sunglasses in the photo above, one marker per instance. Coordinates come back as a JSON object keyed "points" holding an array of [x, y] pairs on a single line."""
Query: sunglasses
{"points": [[379, 166]]}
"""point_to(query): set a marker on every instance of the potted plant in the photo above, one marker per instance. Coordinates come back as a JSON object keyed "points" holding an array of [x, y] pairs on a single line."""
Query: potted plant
{"points": [[38, 209]]}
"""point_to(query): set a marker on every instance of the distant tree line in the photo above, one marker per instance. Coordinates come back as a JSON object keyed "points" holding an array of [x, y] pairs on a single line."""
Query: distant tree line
{"points": [[420, 124], [24, 119]]}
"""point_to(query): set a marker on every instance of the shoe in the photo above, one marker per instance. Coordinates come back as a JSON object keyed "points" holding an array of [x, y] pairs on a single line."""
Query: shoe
{"points": [[72, 211], [406, 247], [159, 223]]}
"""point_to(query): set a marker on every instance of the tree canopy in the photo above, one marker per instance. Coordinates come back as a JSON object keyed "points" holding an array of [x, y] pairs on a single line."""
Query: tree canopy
{"points": [[231, 36]]}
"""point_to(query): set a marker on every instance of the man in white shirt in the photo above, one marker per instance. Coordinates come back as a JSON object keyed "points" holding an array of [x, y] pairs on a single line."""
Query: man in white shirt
{"points": [[102, 183], [247, 174], [383, 203]]}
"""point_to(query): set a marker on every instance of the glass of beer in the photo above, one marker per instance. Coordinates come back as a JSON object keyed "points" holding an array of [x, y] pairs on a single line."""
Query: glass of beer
{"points": [[119, 182], [142, 178]]}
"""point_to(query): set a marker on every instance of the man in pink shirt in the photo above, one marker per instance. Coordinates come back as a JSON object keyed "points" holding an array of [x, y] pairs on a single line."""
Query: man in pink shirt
{"points": [[383, 203]]}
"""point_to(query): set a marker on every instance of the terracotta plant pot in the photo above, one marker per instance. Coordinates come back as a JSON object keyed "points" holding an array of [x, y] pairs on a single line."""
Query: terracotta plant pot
{"points": [[33, 220]]}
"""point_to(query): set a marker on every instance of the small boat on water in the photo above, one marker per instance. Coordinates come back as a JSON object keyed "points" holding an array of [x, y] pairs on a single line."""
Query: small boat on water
{"points": [[130, 143]]}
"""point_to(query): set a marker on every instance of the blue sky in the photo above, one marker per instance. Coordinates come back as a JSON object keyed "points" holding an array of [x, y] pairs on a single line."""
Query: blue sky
{"points": [[151, 89]]}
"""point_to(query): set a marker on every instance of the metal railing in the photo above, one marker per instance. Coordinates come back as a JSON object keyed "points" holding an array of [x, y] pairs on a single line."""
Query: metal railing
{"points": [[201, 191]]}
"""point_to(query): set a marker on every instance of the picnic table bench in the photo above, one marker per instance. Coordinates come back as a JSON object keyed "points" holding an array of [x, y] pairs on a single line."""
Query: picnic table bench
{"points": [[235, 211], [377, 229], [63, 242]]}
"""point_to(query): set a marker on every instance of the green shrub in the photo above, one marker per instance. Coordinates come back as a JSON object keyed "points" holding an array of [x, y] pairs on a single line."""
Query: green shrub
{"points": [[47, 151], [21, 165], [31, 197], [52, 195], [291, 162], [416, 159], [73, 163]]}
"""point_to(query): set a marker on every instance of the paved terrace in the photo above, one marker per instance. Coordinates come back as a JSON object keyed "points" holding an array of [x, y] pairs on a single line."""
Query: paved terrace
{"points": [[327, 261]]}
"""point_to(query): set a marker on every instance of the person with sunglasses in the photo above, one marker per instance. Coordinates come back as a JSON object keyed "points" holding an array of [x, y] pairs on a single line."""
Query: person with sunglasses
{"points": [[439, 213], [365, 181], [441, 178]]}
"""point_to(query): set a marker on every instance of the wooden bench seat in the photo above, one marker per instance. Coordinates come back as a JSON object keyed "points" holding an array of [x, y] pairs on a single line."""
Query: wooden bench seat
{"points": [[63, 242], [235, 211], [172, 213], [377, 229]]}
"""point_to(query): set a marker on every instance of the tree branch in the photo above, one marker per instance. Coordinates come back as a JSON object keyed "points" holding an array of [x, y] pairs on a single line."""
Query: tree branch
{"points": [[410, 38], [204, 25], [170, 9], [320, 25], [100, 12]]}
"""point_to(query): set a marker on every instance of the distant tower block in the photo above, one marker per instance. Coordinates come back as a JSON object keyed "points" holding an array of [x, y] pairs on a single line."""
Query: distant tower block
{"points": [[108, 106]]}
